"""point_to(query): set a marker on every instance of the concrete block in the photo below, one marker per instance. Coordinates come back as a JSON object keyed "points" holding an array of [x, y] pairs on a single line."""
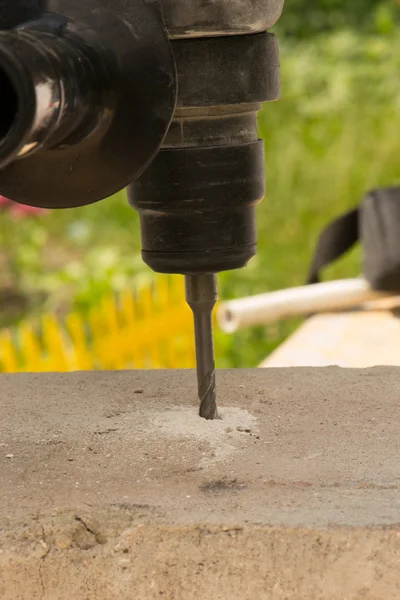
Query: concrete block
{"points": [[113, 488]]}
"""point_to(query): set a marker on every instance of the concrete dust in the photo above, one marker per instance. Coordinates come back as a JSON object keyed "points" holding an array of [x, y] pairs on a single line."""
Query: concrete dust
{"points": [[223, 434]]}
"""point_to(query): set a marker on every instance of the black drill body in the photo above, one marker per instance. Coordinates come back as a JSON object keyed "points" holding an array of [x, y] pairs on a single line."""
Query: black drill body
{"points": [[126, 69], [162, 96]]}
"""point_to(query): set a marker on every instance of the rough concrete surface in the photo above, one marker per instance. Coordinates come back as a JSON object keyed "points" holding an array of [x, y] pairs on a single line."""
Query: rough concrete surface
{"points": [[113, 488]]}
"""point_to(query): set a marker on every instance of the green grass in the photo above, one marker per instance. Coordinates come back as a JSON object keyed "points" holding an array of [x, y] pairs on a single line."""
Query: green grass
{"points": [[332, 136]]}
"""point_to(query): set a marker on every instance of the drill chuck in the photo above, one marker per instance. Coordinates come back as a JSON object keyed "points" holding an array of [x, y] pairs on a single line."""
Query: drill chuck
{"points": [[197, 200], [197, 208]]}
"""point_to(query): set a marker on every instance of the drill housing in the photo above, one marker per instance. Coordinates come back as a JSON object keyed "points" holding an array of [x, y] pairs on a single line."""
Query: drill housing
{"points": [[161, 95], [164, 94]]}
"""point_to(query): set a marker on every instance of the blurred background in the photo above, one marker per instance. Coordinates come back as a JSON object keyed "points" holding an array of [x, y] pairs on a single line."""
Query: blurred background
{"points": [[333, 135]]}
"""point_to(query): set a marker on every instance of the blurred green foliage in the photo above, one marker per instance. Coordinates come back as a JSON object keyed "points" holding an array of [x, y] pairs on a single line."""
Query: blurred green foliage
{"points": [[303, 19], [333, 135]]}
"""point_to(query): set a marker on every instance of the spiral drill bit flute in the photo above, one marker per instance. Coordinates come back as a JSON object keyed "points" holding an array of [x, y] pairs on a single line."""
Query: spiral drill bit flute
{"points": [[161, 96], [201, 295]]}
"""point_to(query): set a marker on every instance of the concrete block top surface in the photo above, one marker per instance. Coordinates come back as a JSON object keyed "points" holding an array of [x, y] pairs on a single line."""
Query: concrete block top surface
{"points": [[294, 447]]}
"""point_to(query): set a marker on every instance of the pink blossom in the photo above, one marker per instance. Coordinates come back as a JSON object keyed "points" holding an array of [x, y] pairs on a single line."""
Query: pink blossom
{"points": [[20, 210]]}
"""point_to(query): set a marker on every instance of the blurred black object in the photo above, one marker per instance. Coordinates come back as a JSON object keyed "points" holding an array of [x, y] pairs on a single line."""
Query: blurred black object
{"points": [[87, 92]]}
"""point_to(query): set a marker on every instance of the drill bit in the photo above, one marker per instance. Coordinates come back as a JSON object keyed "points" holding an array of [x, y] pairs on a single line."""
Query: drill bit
{"points": [[201, 295]]}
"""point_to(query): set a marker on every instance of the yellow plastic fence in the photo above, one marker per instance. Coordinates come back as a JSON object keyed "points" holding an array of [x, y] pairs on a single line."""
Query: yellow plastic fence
{"points": [[152, 328]]}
